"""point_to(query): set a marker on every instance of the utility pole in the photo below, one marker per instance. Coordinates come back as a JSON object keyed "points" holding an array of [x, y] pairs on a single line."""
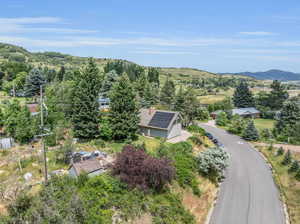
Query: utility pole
{"points": [[42, 135]]}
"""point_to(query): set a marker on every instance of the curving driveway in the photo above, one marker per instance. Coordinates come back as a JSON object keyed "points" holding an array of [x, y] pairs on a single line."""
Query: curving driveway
{"points": [[248, 195]]}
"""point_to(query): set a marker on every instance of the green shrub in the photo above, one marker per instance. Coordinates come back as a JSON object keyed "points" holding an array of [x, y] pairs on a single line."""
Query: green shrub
{"points": [[222, 119], [213, 162], [280, 151], [196, 140], [184, 162], [294, 167], [287, 158], [196, 129]]}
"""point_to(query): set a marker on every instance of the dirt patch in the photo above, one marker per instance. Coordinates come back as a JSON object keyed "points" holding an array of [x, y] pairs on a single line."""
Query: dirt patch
{"points": [[293, 148], [143, 219], [3, 210], [200, 206]]}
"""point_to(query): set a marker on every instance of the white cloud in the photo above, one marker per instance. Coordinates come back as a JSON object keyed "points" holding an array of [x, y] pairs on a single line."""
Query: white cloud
{"points": [[20, 25], [157, 52], [258, 33], [30, 20]]}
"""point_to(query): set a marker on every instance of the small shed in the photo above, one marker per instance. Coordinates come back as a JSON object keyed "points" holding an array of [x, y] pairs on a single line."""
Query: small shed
{"points": [[6, 143], [91, 167], [160, 123]]}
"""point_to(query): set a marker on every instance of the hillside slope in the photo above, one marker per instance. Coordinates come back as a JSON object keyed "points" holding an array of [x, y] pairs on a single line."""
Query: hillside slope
{"points": [[272, 74]]}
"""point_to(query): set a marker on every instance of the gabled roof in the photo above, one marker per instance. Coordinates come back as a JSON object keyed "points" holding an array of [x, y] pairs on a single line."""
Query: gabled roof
{"points": [[245, 111], [159, 119], [87, 166]]}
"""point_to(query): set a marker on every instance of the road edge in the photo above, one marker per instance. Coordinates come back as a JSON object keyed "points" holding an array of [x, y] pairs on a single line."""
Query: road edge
{"points": [[281, 193]]}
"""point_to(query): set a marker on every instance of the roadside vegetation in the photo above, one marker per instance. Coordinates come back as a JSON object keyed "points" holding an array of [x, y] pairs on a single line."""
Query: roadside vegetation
{"points": [[287, 176]]}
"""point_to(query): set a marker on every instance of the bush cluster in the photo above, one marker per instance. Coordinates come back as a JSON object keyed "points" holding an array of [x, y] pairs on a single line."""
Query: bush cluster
{"points": [[140, 170]]}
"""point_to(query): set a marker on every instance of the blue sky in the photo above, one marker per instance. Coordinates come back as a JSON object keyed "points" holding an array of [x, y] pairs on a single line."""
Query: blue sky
{"points": [[218, 36]]}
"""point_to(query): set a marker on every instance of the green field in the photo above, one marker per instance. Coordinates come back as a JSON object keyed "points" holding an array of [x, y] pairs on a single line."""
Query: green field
{"points": [[261, 124]]}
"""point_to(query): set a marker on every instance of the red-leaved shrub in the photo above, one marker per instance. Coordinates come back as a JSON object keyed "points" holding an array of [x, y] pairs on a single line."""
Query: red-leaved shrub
{"points": [[138, 169]]}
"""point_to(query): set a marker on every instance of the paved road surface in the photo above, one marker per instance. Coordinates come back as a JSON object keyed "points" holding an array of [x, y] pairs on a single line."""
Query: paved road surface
{"points": [[248, 195]]}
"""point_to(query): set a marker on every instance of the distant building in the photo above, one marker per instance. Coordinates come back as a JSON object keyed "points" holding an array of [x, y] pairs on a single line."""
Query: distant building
{"points": [[249, 112], [104, 103], [91, 167], [159, 123]]}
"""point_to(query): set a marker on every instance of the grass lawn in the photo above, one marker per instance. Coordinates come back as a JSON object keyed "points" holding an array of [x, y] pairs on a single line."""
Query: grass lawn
{"points": [[287, 183], [261, 124], [210, 99]]}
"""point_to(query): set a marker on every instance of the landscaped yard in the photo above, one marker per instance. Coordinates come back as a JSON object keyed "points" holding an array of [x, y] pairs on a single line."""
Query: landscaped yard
{"points": [[261, 124], [287, 183]]}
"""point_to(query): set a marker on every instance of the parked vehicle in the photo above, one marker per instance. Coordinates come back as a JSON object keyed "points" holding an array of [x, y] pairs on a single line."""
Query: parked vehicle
{"points": [[210, 136]]}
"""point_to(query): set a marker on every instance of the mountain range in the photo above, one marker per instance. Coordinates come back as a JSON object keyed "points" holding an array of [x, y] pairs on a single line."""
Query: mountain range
{"points": [[272, 74]]}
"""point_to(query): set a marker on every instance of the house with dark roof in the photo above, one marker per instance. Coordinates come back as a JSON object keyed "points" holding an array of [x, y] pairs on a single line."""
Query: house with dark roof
{"points": [[249, 112], [91, 167], [160, 123]]}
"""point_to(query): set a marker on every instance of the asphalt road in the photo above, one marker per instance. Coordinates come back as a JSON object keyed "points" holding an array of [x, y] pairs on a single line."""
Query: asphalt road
{"points": [[248, 194]]}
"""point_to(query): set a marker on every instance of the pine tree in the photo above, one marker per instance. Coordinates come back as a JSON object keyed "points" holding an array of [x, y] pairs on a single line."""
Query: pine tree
{"points": [[287, 158], [294, 167], [243, 97], [270, 148], [179, 100], [85, 108], [61, 74], [250, 133], [167, 93], [123, 114], [277, 96], [150, 95], [280, 151], [34, 80], [110, 78], [153, 76], [288, 117]]}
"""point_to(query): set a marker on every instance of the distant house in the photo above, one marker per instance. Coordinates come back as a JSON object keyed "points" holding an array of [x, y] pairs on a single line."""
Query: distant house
{"points": [[91, 167], [159, 123], [104, 103], [33, 108], [243, 112]]}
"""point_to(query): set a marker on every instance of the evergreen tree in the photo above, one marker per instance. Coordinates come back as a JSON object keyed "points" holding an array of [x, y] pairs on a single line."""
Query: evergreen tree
{"points": [[250, 133], [288, 117], [167, 93], [242, 96], [280, 151], [110, 78], [222, 119], [287, 158], [85, 108], [278, 95], [150, 95], [187, 104], [61, 74], [140, 85], [153, 76], [34, 80], [270, 148], [123, 114], [294, 167]]}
